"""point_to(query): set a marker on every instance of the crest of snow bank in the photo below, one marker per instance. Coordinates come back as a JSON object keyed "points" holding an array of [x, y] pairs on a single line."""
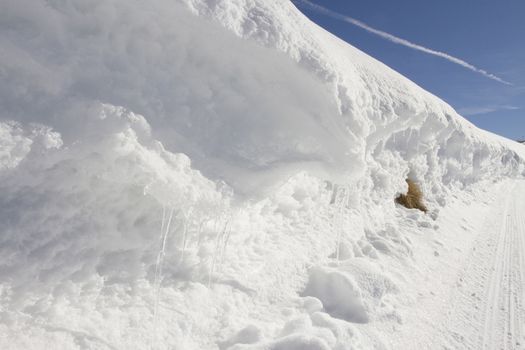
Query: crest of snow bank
{"points": [[396, 126]]}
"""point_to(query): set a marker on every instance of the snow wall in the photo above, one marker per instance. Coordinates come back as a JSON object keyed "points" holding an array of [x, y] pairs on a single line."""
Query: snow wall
{"points": [[157, 158]]}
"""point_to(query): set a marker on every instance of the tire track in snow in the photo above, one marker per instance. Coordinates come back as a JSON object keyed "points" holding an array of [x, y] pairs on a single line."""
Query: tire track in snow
{"points": [[516, 314], [503, 324], [493, 302], [521, 260], [487, 307]]}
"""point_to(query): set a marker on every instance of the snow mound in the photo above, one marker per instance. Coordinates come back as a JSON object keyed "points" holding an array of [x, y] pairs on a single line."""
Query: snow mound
{"points": [[350, 291], [197, 174], [92, 208]]}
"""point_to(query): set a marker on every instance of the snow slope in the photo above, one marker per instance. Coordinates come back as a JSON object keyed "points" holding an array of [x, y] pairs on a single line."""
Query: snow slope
{"points": [[215, 174]]}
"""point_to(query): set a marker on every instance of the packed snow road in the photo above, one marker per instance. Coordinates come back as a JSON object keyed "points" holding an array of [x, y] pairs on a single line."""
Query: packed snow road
{"points": [[486, 310]]}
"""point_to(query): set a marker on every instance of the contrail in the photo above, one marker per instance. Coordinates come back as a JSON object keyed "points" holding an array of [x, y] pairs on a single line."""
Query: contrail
{"points": [[397, 40]]}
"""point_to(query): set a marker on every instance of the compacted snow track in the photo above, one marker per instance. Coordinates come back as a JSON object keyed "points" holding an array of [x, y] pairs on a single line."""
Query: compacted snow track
{"points": [[487, 307]]}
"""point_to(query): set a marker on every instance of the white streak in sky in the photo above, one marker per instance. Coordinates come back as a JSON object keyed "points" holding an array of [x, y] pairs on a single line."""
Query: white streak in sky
{"points": [[397, 40], [471, 111]]}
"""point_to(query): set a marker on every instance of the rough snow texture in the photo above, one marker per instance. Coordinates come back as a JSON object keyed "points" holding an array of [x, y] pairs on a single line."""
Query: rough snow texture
{"points": [[196, 174]]}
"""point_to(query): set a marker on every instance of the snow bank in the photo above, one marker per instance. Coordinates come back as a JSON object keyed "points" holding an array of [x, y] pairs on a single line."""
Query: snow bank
{"points": [[234, 106], [84, 206], [241, 196]]}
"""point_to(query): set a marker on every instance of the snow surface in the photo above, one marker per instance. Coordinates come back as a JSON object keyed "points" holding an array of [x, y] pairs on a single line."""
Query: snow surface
{"points": [[198, 174]]}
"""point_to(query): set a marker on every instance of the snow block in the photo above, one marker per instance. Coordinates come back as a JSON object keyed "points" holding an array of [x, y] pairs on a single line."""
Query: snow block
{"points": [[339, 293]]}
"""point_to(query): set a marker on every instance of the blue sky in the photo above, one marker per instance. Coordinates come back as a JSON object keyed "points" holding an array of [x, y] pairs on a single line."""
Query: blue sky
{"points": [[488, 34]]}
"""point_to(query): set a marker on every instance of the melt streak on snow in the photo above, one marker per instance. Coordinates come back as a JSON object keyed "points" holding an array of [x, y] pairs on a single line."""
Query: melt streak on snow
{"points": [[191, 174]]}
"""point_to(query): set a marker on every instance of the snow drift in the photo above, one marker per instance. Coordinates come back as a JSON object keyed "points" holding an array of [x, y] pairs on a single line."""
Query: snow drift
{"points": [[190, 174]]}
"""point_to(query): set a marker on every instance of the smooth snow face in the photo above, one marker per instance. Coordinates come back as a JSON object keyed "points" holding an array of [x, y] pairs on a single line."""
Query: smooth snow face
{"points": [[242, 195], [232, 106]]}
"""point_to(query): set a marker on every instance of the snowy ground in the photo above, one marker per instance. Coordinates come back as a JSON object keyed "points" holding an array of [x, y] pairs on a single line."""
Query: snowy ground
{"points": [[452, 283], [198, 174], [470, 295], [487, 306]]}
